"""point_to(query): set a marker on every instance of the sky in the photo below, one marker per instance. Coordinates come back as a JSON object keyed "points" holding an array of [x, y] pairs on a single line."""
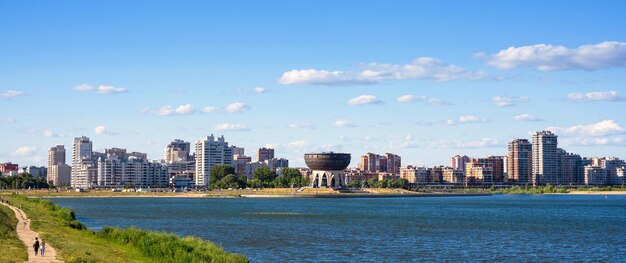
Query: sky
{"points": [[422, 79]]}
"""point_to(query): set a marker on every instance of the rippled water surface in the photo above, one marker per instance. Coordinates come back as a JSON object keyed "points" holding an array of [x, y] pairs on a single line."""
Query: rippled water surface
{"points": [[520, 228]]}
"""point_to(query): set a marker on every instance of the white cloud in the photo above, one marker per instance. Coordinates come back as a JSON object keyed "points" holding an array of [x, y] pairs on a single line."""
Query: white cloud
{"points": [[602, 141], [10, 94], [343, 123], [466, 119], [25, 150], [297, 145], [302, 125], [364, 99], [605, 127], [230, 127], [502, 101], [595, 96], [424, 68], [50, 133], [259, 90], [525, 117], [480, 143], [102, 89], [546, 57], [180, 110], [237, 107], [210, 109], [411, 98], [103, 130]]}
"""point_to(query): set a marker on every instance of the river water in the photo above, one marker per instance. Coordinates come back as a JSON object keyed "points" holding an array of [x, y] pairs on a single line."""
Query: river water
{"points": [[512, 228]]}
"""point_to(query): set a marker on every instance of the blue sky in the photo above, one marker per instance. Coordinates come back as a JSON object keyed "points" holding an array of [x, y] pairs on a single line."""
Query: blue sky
{"points": [[424, 80]]}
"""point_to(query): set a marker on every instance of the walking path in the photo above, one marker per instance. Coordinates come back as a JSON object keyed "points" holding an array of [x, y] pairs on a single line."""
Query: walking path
{"points": [[28, 237]]}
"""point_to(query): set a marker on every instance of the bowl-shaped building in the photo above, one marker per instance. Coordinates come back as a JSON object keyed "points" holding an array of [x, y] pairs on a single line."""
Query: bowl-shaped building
{"points": [[327, 161]]}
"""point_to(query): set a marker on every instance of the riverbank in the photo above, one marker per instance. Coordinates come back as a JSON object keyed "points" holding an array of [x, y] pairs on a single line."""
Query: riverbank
{"points": [[75, 243]]}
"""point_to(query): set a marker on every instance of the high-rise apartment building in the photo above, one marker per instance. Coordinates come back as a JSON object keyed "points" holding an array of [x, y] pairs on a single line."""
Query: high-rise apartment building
{"points": [[374, 163], [570, 169], [117, 168], [264, 154], [458, 162], [84, 169], [177, 151], [209, 152], [520, 161], [59, 173], [545, 159]]}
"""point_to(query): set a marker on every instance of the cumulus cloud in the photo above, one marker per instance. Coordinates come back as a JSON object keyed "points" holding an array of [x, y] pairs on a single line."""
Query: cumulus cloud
{"points": [[230, 127], [180, 110], [51, 133], [364, 99], [525, 117], [411, 98], [259, 90], [605, 127], [503, 101], [480, 143], [103, 130], [210, 109], [595, 96], [25, 150], [602, 141], [237, 107], [423, 68], [466, 119], [546, 57], [102, 89], [344, 124], [10, 94], [302, 125], [299, 144]]}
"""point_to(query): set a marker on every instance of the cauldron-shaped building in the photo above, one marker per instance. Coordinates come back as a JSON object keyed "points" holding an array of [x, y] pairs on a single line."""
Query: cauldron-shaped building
{"points": [[327, 168]]}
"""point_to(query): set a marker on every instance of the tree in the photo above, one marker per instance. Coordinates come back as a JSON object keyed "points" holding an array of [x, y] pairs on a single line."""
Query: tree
{"points": [[220, 171], [264, 175]]}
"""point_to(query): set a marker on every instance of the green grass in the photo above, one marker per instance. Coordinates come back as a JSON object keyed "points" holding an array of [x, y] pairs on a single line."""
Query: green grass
{"points": [[75, 243], [13, 250], [548, 189]]}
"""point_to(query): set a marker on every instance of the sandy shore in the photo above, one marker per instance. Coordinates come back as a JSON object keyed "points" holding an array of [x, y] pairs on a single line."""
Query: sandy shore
{"points": [[597, 193]]}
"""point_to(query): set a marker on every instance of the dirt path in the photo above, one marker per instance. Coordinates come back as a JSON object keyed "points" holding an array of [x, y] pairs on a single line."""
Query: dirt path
{"points": [[28, 237]]}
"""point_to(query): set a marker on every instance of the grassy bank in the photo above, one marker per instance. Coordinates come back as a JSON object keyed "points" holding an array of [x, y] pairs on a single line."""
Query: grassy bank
{"points": [[75, 243], [13, 250]]}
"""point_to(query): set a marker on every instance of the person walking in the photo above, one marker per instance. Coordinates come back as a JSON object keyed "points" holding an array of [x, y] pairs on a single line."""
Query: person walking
{"points": [[43, 247], [36, 246]]}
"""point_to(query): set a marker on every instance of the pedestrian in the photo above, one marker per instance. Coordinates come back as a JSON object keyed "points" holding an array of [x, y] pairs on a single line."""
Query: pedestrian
{"points": [[43, 247], [36, 246]]}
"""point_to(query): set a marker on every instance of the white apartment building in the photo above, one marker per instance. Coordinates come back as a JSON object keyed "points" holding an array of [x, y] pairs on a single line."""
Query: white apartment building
{"points": [[210, 151]]}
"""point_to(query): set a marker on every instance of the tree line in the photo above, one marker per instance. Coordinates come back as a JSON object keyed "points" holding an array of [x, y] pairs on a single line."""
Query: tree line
{"points": [[224, 177], [23, 181]]}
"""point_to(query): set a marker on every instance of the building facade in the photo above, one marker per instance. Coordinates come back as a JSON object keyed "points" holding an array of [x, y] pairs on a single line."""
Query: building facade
{"points": [[210, 151], [545, 159], [520, 161], [59, 173]]}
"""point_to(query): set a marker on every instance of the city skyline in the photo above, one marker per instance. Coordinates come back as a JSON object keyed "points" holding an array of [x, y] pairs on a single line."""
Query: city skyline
{"points": [[422, 80]]}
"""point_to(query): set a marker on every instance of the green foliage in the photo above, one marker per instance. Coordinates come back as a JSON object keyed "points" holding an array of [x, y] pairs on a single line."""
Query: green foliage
{"points": [[547, 189], [23, 181], [219, 171], [384, 183], [263, 174], [290, 178], [168, 247], [230, 181], [355, 184]]}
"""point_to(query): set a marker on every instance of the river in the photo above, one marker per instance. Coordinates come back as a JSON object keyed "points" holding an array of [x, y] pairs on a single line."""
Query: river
{"points": [[519, 228]]}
